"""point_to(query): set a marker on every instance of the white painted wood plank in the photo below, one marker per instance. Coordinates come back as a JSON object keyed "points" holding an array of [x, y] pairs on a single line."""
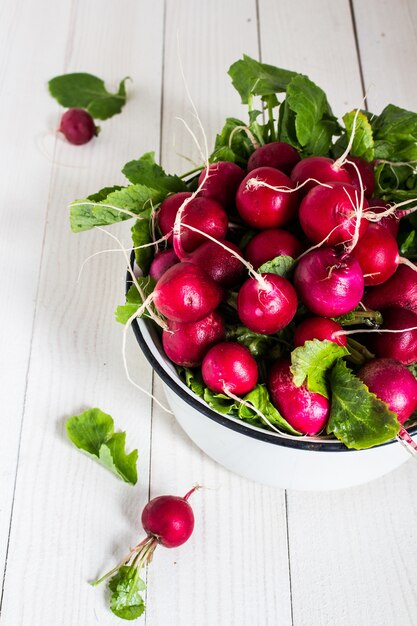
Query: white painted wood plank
{"points": [[26, 113], [233, 571], [71, 518]]}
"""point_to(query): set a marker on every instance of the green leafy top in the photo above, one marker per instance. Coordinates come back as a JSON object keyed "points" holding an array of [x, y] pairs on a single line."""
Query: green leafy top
{"points": [[126, 601], [312, 361], [86, 91], [93, 432], [252, 78], [280, 265]]}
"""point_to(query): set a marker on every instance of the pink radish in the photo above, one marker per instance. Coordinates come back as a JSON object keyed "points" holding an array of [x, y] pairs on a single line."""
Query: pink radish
{"points": [[400, 291], [77, 126], [401, 346], [277, 154], [320, 169], [366, 172], [163, 260], [377, 253], [271, 243], [169, 519], [391, 222], [327, 283], [330, 214], [266, 307], [261, 207], [186, 344], [220, 264], [222, 182], [165, 217], [318, 328], [305, 411], [229, 367]]}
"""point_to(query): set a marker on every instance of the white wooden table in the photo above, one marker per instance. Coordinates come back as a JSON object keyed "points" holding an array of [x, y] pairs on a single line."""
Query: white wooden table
{"points": [[258, 556]]}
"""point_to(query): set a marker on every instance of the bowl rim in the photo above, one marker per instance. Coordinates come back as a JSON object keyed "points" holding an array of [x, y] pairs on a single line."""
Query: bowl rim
{"points": [[327, 445]]}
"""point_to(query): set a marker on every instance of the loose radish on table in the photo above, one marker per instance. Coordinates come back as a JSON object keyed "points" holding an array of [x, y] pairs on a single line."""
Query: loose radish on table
{"points": [[78, 126]]}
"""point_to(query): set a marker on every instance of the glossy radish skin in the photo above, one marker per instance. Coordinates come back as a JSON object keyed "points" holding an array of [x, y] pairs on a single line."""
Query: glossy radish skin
{"points": [[186, 344], [165, 217], [307, 412], [77, 126], [229, 366], [163, 260], [170, 519], [377, 253], [322, 169], [392, 383], [265, 208], [271, 243], [328, 284], [400, 346], [267, 309], [222, 183], [186, 294], [366, 171], [391, 223], [325, 209], [277, 154], [222, 266], [400, 291], [318, 328]]}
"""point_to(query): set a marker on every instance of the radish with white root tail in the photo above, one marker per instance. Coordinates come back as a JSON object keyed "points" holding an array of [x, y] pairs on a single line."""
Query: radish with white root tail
{"points": [[390, 222], [162, 261], [400, 345], [318, 328], [364, 177], [220, 262], [167, 521], [277, 154], [318, 169], [377, 253], [220, 182], [229, 368], [167, 212]]}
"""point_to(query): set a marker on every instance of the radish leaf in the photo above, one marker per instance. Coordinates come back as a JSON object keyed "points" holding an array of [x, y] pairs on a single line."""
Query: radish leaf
{"points": [[126, 601], [280, 265], [134, 299], [250, 77], [268, 346], [259, 397], [141, 235], [144, 171], [363, 142], [311, 362]]}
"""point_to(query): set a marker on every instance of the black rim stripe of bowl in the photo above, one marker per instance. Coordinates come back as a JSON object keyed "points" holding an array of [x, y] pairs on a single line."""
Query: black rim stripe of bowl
{"points": [[276, 439]]}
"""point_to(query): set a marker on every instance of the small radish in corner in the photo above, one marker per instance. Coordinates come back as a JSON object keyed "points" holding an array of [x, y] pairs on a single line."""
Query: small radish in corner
{"points": [[401, 346], [163, 260], [327, 283], [318, 328], [271, 243], [400, 291], [366, 172], [219, 263], [267, 305], [262, 207], [222, 182], [187, 343], [229, 368], [78, 126], [377, 253], [304, 410], [277, 154], [320, 169]]}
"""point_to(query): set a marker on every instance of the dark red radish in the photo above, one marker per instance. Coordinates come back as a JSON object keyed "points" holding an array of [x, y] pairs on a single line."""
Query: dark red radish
{"points": [[162, 260], [277, 154], [185, 293], [330, 214], [377, 253], [268, 306], [186, 344], [318, 328], [392, 383], [207, 216], [401, 346], [271, 243], [321, 169], [366, 172], [400, 291], [229, 367], [222, 182], [220, 264], [327, 283], [165, 217], [305, 411], [169, 519], [390, 222], [77, 126], [261, 207]]}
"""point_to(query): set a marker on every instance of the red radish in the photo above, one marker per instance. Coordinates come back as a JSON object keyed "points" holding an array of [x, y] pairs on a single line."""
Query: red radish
{"points": [[377, 253], [165, 217], [305, 411], [392, 383], [277, 154], [163, 260], [268, 306], [390, 222], [222, 266], [186, 344], [330, 214], [400, 291], [401, 346], [271, 243], [77, 126], [318, 168], [170, 519], [261, 207], [222, 182], [229, 367], [318, 328], [327, 283], [366, 172], [186, 294]]}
